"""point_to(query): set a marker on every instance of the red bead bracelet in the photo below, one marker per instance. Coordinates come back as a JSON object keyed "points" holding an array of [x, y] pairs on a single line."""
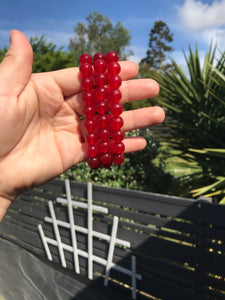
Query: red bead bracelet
{"points": [[101, 95]]}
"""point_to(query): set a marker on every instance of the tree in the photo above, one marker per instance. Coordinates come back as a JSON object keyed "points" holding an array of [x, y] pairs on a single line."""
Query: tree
{"points": [[155, 60], [196, 103], [100, 35], [47, 57], [160, 37], [2, 53]]}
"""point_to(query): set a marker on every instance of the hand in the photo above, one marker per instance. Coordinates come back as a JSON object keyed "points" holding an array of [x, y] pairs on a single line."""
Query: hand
{"points": [[41, 134]]}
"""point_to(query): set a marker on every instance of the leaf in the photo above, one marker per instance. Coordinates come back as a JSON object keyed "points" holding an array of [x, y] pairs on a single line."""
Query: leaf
{"points": [[203, 190]]}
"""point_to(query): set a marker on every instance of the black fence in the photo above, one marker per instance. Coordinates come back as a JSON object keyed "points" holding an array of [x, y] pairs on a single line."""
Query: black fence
{"points": [[179, 244]]}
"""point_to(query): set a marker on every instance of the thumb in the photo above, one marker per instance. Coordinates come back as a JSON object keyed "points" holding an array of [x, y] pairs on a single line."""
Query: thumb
{"points": [[16, 67]]}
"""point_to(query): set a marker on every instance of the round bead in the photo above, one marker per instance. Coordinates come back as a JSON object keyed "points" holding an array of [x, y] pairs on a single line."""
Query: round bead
{"points": [[102, 107], [92, 151], [88, 97], [106, 158], [116, 122], [85, 58], [93, 162], [100, 79], [116, 109], [89, 112], [87, 83], [91, 138], [100, 66], [111, 56], [102, 120], [103, 134], [103, 147], [89, 125], [114, 68], [118, 159], [118, 148], [98, 55], [114, 81], [106, 166], [85, 70], [118, 135], [114, 95], [100, 93]]}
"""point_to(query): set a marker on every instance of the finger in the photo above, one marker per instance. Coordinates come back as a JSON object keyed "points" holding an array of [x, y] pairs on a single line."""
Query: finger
{"points": [[133, 144], [16, 67], [138, 89], [142, 117], [131, 90], [69, 80]]}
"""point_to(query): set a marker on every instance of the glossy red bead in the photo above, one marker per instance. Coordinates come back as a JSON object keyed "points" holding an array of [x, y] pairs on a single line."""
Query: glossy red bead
{"points": [[102, 120], [91, 138], [118, 135], [89, 125], [93, 162], [114, 68], [98, 56], [87, 83], [88, 97], [89, 112], [85, 58], [116, 122], [116, 109], [100, 93], [118, 159], [100, 79], [100, 66], [106, 166], [106, 158], [114, 95], [111, 57], [103, 147], [118, 148], [103, 134], [92, 151], [102, 107], [114, 81], [85, 70]]}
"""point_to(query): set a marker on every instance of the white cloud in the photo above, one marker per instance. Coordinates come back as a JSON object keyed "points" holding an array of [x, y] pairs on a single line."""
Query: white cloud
{"points": [[198, 16], [216, 36]]}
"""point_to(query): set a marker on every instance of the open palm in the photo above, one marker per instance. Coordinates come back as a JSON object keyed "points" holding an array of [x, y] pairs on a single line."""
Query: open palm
{"points": [[41, 133]]}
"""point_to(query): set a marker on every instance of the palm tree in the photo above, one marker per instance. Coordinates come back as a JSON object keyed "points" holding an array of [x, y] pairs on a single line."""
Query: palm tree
{"points": [[196, 102]]}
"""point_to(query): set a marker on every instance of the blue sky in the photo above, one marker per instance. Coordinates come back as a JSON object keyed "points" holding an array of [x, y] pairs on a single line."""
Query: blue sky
{"points": [[190, 21]]}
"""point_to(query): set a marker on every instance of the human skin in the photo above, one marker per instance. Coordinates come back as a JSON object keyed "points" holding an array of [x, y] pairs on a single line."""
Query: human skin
{"points": [[41, 132]]}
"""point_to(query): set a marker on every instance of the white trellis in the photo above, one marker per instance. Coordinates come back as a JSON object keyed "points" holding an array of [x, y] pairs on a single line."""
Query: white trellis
{"points": [[112, 239]]}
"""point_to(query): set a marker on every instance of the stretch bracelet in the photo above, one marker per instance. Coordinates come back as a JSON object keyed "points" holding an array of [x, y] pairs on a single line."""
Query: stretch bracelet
{"points": [[101, 95]]}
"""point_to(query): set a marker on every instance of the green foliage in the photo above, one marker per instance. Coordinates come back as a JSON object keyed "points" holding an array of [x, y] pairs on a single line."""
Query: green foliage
{"points": [[2, 53], [195, 101], [196, 105], [100, 35], [215, 189], [47, 57]]}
